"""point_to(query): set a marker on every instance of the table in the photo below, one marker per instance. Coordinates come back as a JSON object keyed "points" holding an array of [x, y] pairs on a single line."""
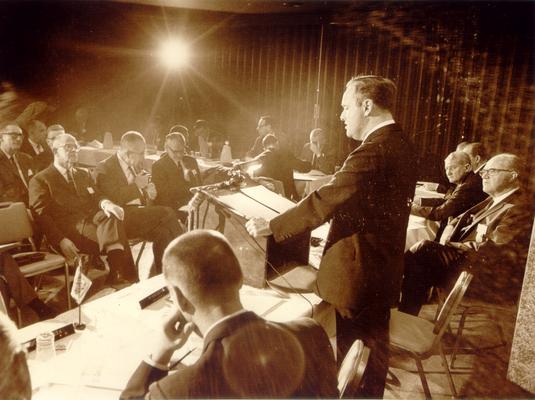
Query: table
{"points": [[99, 361]]}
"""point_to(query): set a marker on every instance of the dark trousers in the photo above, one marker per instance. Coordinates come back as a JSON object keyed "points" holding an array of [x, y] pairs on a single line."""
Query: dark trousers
{"points": [[95, 235], [156, 224], [13, 283], [371, 326], [432, 264]]}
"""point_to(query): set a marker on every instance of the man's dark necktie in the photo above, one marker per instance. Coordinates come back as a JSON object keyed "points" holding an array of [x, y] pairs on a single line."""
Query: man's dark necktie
{"points": [[19, 171]]}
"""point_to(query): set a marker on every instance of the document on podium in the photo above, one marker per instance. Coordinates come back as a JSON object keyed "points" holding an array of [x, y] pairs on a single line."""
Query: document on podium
{"points": [[256, 201]]}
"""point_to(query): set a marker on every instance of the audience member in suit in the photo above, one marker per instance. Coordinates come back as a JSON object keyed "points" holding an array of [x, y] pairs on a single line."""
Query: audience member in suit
{"points": [[16, 168], [367, 202], [243, 355], [174, 174], [478, 155], [319, 153], [208, 142], [466, 193], [52, 132], [501, 220], [14, 285], [122, 179], [178, 129], [15, 382], [279, 164], [75, 216], [267, 125], [35, 145]]}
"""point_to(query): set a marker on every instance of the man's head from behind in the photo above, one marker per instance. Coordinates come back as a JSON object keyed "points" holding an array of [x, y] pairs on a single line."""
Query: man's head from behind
{"points": [[202, 272], [318, 140], [175, 146], [10, 138], [37, 131], [14, 375], [65, 149], [476, 152], [501, 174], [367, 101], [457, 165], [270, 142], [132, 149]]}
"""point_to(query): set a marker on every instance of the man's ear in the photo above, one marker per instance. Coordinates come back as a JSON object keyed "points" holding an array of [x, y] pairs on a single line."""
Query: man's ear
{"points": [[367, 104], [181, 300]]}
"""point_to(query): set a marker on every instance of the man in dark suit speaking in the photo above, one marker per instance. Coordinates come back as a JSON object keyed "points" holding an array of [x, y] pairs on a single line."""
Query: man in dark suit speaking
{"points": [[243, 355], [367, 202]]}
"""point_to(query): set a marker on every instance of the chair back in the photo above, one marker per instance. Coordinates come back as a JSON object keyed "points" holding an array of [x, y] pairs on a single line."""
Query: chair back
{"points": [[353, 366], [15, 223], [452, 302]]}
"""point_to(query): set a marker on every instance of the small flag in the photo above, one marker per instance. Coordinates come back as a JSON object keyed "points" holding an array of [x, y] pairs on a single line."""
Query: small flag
{"points": [[81, 282]]}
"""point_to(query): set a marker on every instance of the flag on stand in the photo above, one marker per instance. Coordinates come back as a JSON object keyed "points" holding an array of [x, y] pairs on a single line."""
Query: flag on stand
{"points": [[81, 282]]}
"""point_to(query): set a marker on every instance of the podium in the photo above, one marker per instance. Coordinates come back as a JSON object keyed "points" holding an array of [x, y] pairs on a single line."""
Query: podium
{"points": [[261, 259]]}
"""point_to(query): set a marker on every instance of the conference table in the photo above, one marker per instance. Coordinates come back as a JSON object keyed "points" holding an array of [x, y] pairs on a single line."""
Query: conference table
{"points": [[98, 361]]}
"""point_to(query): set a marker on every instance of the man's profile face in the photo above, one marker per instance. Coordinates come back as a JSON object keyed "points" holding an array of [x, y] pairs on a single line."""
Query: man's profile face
{"points": [[455, 170], [175, 149], [51, 135], [352, 114], [11, 139], [497, 177], [135, 153], [37, 132], [318, 140], [263, 127]]}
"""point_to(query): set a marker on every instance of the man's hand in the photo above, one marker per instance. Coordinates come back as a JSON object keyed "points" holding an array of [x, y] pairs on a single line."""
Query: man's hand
{"points": [[69, 250], [111, 208], [151, 191], [142, 181], [174, 335], [258, 227]]}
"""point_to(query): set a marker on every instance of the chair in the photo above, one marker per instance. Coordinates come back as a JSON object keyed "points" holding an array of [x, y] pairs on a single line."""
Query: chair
{"points": [[16, 228], [420, 338], [353, 367]]}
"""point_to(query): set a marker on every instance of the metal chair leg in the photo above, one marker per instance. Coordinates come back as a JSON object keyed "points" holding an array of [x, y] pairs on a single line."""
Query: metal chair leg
{"points": [[448, 373], [138, 258], [421, 372]]}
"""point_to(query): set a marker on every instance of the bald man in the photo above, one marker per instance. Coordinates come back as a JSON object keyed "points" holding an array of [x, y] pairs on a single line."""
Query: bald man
{"points": [[319, 152], [122, 179], [243, 355], [495, 226], [466, 193], [75, 216]]}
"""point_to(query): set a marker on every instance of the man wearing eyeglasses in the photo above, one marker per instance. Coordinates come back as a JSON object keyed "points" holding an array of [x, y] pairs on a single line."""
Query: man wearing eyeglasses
{"points": [[174, 174], [488, 232], [122, 179], [75, 216], [16, 168]]}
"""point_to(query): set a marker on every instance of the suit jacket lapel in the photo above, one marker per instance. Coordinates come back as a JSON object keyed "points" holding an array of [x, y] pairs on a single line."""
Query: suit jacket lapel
{"points": [[118, 169]]}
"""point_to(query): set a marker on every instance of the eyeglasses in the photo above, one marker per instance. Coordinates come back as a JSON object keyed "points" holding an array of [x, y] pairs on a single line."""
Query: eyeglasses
{"points": [[493, 171], [138, 153], [13, 134], [70, 147]]}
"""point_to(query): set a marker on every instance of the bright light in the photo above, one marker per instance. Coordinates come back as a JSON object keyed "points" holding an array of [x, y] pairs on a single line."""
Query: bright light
{"points": [[174, 53]]}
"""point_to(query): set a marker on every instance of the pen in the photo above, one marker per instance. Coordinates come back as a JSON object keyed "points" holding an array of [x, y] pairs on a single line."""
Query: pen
{"points": [[172, 366]]}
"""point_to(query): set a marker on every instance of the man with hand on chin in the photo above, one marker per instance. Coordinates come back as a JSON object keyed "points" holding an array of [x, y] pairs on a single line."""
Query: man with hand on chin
{"points": [[367, 202], [74, 216]]}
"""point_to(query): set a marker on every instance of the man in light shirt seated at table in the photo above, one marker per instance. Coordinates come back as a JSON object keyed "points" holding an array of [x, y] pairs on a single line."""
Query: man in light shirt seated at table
{"points": [[243, 354], [466, 193], [485, 233]]}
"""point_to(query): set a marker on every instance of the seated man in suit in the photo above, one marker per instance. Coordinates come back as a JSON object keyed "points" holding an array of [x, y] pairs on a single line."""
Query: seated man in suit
{"points": [[35, 145], [75, 216], [318, 152], [16, 168], [466, 193], [279, 164], [15, 285], [15, 383], [121, 178], [174, 173], [243, 355], [498, 222]]}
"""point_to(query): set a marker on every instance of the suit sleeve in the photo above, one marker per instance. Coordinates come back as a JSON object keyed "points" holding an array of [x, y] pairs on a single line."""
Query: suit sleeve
{"points": [[107, 183], [138, 384], [318, 207], [40, 204], [162, 184], [298, 164]]}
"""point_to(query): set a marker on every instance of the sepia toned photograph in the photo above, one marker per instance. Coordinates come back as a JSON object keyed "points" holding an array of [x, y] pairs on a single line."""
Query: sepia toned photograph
{"points": [[267, 199]]}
